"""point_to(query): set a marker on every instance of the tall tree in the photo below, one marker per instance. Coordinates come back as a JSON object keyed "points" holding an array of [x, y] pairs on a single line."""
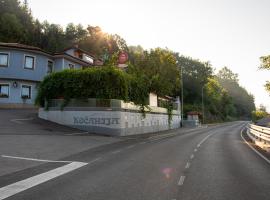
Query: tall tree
{"points": [[159, 65], [265, 64], [195, 76], [242, 100]]}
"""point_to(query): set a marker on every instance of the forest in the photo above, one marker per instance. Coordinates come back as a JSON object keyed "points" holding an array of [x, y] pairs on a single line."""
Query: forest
{"points": [[156, 70]]}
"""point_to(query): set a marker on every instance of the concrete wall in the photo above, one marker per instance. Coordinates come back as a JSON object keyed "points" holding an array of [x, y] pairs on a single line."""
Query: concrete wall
{"points": [[118, 123]]}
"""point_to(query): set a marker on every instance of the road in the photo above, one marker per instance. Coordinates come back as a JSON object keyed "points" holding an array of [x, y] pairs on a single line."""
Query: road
{"points": [[204, 163]]}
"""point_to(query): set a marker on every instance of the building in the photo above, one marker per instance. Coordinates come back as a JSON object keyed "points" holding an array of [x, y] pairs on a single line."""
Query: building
{"points": [[23, 67]]}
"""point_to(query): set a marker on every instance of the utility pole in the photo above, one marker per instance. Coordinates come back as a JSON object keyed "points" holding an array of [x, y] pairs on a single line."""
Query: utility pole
{"points": [[202, 106]]}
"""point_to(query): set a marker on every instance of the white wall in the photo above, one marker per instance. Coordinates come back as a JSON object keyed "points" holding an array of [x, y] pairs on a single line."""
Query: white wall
{"points": [[153, 100], [119, 123]]}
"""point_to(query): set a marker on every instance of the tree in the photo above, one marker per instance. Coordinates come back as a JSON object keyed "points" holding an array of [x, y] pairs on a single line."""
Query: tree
{"points": [[102, 43], [258, 114], [11, 29], [265, 64], [195, 76], [227, 75], [159, 66], [242, 100]]}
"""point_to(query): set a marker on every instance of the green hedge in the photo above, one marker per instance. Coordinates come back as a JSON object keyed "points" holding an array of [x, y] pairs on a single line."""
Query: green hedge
{"points": [[103, 83]]}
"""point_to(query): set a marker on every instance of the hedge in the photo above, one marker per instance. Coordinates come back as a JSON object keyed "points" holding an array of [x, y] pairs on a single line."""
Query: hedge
{"points": [[103, 83]]}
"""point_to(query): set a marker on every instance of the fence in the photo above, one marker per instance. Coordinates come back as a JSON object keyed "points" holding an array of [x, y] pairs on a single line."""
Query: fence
{"points": [[107, 103]]}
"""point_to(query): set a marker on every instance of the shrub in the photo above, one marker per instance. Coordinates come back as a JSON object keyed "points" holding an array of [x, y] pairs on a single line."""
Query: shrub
{"points": [[104, 83]]}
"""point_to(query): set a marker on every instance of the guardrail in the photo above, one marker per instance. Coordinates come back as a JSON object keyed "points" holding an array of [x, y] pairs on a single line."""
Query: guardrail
{"points": [[260, 135]]}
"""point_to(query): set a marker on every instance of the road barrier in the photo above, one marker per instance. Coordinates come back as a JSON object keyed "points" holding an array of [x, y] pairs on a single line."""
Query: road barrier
{"points": [[259, 135]]}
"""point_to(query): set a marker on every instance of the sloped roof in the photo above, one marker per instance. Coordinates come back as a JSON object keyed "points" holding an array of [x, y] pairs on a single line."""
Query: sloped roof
{"points": [[22, 46]]}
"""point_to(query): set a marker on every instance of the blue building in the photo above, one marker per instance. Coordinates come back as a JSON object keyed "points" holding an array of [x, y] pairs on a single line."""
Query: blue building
{"points": [[23, 67]]}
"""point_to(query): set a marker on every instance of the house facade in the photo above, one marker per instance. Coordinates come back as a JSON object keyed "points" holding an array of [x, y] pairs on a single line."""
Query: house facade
{"points": [[23, 67]]}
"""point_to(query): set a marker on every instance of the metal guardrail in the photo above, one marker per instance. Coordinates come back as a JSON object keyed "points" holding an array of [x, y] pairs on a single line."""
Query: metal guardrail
{"points": [[260, 132]]}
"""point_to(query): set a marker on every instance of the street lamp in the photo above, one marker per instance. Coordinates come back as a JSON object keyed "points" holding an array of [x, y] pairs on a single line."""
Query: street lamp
{"points": [[182, 97], [182, 94]]}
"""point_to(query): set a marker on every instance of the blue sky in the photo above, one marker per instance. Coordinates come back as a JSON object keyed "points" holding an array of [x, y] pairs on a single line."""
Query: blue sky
{"points": [[233, 33]]}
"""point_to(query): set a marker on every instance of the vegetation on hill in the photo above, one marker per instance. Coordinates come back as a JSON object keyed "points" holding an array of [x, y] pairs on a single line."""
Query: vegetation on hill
{"points": [[155, 70], [259, 113]]}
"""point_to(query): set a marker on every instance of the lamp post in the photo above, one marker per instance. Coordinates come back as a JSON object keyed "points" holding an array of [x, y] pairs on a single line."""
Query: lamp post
{"points": [[202, 105], [182, 96]]}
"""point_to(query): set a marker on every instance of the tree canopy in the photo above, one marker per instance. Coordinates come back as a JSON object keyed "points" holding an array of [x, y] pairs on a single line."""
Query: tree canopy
{"points": [[18, 25]]}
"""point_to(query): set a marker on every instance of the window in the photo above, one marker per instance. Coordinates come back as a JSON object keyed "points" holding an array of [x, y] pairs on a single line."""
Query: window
{"points": [[29, 62], [26, 92], [4, 90], [3, 59], [50, 67], [71, 66]]}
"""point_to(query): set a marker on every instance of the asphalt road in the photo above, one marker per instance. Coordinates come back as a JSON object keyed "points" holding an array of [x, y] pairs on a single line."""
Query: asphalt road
{"points": [[206, 163]]}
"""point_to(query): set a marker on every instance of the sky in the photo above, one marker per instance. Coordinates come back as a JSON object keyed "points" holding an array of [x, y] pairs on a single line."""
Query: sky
{"points": [[232, 33]]}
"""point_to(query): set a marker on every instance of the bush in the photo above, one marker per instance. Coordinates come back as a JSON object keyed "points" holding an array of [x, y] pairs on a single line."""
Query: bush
{"points": [[258, 114], [104, 83]]}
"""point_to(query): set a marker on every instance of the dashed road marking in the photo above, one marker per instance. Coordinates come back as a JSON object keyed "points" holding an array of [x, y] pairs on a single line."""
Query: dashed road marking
{"points": [[95, 160], [131, 146], [117, 151], [142, 142], [195, 150], [73, 134], [18, 121], [203, 140], [187, 165], [192, 156], [181, 180]]}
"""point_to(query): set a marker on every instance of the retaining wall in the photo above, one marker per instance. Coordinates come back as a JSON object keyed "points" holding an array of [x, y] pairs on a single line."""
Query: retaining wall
{"points": [[109, 122]]}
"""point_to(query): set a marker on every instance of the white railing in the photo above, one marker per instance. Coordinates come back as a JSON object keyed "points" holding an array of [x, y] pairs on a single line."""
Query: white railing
{"points": [[260, 133]]}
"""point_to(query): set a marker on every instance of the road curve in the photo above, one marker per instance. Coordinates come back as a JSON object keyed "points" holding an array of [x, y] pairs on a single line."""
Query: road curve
{"points": [[207, 163]]}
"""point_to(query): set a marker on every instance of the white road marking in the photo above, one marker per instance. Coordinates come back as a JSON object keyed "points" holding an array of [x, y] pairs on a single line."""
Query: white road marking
{"points": [[192, 156], [203, 140], [92, 161], [195, 150], [262, 156], [142, 142], [34, 159], [131, 146], [18, 120], [117, 151], [23, 185], [72, 134], [181, 180], [187, 165]]}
